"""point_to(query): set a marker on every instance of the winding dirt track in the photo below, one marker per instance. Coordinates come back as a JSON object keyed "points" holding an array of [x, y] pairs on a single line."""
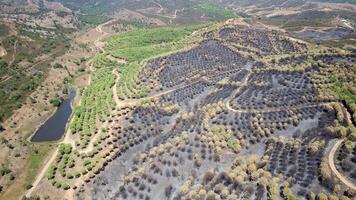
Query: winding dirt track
{"points": [[332, 152], [42, 173], [98, 43], [6, 79], [14, 54], [160, 7], [272, 109], [244, 83], [3, 52], [331, 158], [67, 139], [11, 62], [118, 102]]}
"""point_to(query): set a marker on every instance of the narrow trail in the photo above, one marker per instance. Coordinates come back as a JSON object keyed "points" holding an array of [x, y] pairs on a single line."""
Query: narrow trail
{"points": [[43, 60], [70, 194], [159, 5], [272, 109], [244, 83], [118, 60], [118, 102], [67, 139], [331, 158], [332, 152], [11, 62], [285, 3], [170, 17], [98, 43], [14, 54], [174, 16], [42, 173], [3, 52], [132, 102], [6, 79], [90, 146]]}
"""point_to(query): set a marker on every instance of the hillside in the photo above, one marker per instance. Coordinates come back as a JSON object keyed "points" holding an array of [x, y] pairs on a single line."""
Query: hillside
{"points": [[177, 99]]}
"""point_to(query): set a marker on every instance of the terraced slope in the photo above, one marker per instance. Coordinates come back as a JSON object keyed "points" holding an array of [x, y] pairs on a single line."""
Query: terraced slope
{"points": [[236, 112]]}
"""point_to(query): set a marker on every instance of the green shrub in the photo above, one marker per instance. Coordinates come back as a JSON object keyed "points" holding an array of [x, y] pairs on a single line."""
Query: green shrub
{"points": [[140, 44], [4, 170], [66, 186], [30, 198], [57, 185], [57, 101], [57, 65], [28, 186]]}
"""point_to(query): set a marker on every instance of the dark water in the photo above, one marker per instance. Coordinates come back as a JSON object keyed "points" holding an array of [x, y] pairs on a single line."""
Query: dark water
{"points": [[53, 129]]}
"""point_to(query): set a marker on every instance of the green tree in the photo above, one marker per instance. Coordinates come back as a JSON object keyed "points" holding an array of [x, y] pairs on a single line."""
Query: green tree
{"points": [[28, 186], [322, 196]]}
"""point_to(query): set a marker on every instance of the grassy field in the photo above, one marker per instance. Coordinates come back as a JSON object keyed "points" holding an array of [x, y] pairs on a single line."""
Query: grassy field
{"points": [[344, 90], [100, 60], [97, 98], [215, 11], [312, 18], [96, 101], [93, 19], [140, 44], [99, 8], [38, 153], [127, 87]]}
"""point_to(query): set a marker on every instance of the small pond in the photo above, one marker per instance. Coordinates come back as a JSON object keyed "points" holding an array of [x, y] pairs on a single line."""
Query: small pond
{"points": [[54, 128]]}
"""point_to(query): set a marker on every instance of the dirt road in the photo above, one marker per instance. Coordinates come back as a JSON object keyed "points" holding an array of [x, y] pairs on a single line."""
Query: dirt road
{"points": [[3, 51], [160, 7], [331, 158], [11, 62], [14, 54], [244, 83], [42, 173], [272, 109], [67, 139], [98, 43]]}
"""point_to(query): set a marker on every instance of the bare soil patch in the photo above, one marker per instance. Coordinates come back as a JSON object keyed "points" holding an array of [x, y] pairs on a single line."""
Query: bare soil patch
{"points": [[2, 51]]}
